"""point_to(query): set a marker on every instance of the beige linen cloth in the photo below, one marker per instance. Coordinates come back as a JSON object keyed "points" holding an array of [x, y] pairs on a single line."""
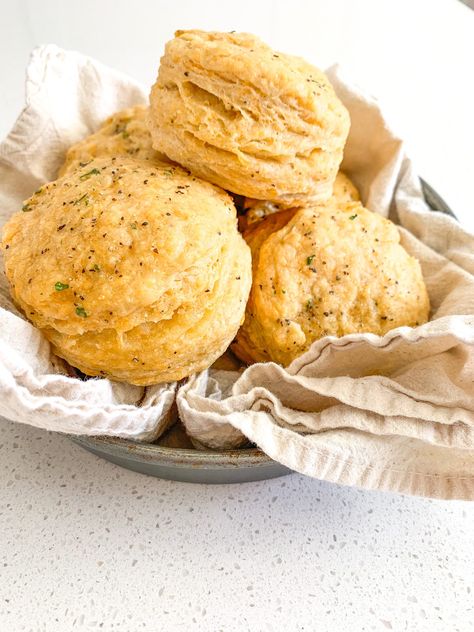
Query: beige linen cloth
{"points": [[394, 412]]}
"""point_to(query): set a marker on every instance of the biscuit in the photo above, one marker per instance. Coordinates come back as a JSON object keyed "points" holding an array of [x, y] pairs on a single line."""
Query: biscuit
{"points": [[125, 133], [256, 122], [255, 210], [329, 270], [344, 190], [137, 272]]}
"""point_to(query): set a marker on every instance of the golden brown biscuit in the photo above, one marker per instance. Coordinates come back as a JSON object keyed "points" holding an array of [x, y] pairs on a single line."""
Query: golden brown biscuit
{"points": [[136, 271], [125, 133], [330, 270], [255, 210], [344, 190], [258, 123], [257, 233]]}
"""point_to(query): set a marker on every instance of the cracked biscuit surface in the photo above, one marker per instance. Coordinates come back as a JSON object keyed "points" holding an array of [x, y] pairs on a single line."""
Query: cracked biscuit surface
{"points": [[257, 122], [329, 270], [125, 133], [136, 271]]}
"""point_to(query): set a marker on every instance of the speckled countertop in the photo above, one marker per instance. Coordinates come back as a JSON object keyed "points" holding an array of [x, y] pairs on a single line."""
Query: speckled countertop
{"points": [[87, 545]]}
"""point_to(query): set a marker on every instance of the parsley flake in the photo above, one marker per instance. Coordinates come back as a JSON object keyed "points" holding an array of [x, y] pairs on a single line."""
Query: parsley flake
{"points": [[92, 172], [353, 216], [84, 198], [309, 260], [59, 287], [80, 311], [121, 128]]}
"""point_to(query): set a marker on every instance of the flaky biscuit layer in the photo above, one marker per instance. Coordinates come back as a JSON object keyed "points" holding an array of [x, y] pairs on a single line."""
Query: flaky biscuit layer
{"points": [[258, 123], [344, 190]]}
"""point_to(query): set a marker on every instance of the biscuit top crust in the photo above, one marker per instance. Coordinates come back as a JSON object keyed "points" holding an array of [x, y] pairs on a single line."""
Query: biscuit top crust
{"points": [[244, 58], [334, 269], [125, 133], [115, 243]]}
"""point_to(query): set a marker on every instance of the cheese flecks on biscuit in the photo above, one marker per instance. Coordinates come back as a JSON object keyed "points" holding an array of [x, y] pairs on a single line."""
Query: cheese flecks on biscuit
{"points": [[257, 122], [136, 271], [329, 270]]}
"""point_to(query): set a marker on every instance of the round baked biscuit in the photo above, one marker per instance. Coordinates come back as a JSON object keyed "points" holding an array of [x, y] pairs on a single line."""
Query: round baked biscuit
{"points": [[344, 190], [125, 133], [330, 270], [256, 122], [136, 272], [257, 233]]}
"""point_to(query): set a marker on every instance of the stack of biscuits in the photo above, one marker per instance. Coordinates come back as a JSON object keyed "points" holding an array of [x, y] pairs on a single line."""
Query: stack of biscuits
{"points": [[133, 262]]}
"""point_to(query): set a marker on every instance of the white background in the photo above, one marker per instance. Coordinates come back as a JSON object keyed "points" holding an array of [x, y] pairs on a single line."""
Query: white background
{"points": [[87, 545], [416, 56]]}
